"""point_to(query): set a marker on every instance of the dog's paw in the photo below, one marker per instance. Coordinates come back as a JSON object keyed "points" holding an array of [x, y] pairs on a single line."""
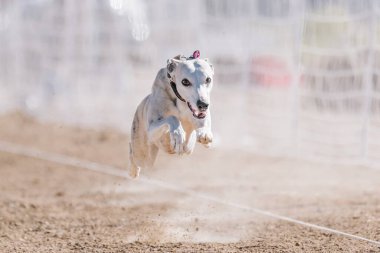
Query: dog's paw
{"points": [[177, 140], [205, 138], [134, 171]]}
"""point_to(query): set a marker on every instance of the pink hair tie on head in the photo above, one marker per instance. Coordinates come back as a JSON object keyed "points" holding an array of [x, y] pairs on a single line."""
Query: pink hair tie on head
{"points": [[196, 54]]}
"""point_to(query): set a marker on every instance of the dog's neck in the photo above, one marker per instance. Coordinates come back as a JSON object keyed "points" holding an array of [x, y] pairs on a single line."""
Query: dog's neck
{"points": [[173, 85], [168, 90]]}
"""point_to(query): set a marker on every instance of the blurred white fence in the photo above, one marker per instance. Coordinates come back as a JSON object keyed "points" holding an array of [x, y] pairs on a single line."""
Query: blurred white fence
{"points": [[293, 77]]}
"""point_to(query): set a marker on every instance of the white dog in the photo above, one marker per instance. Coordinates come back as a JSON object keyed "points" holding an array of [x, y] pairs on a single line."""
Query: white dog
{"points": [[175, 115]]}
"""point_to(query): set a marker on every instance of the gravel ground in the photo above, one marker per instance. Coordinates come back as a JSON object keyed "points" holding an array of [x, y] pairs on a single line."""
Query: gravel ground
{"points": [[49, 207]]}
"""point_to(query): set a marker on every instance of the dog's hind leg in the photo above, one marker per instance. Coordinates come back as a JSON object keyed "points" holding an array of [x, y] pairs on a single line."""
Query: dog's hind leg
{"points": [[134, 170], [139, 159]]}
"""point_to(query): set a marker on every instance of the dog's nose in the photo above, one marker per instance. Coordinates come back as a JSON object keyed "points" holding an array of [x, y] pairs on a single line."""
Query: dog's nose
{"points": [[202, 105]]}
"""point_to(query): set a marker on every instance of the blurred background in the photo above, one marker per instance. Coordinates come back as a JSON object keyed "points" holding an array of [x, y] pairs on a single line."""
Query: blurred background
{"points": [[293, 77]]}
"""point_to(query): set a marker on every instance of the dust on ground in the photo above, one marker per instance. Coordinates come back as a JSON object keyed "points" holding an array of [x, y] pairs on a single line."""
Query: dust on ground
{"points": [[49, 207]]}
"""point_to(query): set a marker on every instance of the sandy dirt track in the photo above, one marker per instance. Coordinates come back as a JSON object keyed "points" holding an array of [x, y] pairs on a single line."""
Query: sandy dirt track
{"points": [[49, 207]]}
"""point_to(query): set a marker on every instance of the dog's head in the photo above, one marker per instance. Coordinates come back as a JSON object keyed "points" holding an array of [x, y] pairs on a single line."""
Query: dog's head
{"points": [[193, 79]]}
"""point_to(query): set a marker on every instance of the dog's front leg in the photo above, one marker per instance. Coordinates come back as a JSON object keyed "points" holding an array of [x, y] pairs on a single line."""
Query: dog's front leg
{"points": [[204, 134], [172, 125]]}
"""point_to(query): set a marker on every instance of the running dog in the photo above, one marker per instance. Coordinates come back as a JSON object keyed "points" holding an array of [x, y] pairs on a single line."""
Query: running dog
{"points": [[175, 115]]}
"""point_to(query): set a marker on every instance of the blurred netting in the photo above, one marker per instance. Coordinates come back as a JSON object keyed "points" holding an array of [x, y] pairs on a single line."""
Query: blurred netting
{"points": [[293, 77]]}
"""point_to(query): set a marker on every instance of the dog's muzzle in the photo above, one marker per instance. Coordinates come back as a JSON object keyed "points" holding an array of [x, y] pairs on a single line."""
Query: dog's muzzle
{"points": [[200, 115]]}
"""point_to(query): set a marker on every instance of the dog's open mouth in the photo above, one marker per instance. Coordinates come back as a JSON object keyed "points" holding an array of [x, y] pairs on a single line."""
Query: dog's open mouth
{"points": [[199, 115]]}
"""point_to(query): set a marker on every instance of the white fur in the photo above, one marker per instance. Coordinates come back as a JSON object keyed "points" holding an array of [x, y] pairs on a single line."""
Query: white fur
{"points": [[162, 121]]}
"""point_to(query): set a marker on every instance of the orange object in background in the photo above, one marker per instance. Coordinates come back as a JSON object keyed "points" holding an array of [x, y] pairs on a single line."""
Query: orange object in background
{"points": [[270, 71]]}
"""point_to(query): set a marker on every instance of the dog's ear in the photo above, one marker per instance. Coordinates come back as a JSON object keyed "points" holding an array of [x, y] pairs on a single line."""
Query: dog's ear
{"points": [[211, 66], [178, 57], [172, 63], [171, 66]]}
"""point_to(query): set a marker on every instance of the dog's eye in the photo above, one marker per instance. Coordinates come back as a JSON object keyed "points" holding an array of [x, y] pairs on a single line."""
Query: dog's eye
{"points": [[186, 82], [208, 80]]}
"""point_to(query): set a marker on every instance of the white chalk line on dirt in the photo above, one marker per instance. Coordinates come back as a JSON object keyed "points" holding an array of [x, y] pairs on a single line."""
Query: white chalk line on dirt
{"points": [[113, 171]]}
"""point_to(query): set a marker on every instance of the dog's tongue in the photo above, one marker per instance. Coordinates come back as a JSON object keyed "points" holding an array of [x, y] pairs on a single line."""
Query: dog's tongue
{"points": [[201, 115]]}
